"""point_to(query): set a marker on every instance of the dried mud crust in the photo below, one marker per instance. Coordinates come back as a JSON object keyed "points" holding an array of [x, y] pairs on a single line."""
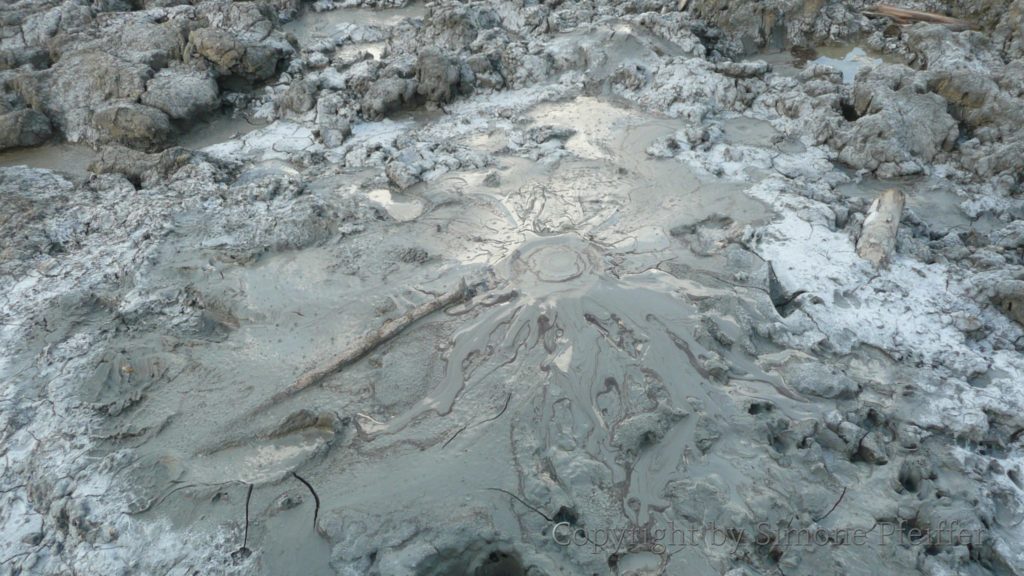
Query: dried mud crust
{"points": [[587, 272]]}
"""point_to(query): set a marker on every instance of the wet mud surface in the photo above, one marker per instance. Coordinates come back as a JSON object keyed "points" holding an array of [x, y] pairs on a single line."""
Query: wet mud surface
{"points": [[494, 289]]}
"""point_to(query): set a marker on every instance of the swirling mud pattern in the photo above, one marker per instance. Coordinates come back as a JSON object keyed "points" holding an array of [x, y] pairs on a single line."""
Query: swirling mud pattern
{"points": [[491, 288]]}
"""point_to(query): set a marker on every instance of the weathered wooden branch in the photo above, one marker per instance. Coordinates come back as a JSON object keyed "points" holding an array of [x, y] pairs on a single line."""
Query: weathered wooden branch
{"points": [[368, 343], [878, 236], [902, 16]]}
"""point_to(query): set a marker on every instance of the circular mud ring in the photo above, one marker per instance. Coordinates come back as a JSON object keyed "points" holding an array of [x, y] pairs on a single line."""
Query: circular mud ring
{"points": [[556, 264], [553, 260]]}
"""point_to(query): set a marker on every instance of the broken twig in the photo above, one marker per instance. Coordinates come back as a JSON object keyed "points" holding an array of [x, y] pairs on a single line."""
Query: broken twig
{"points": [[316, 498], [491, 419], [523, 502], [244, 552], [834, 506], [368, 343], [248, 497]]}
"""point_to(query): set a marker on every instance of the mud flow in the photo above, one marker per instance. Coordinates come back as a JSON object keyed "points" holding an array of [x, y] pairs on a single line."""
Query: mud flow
{"points": [[418, 289]]}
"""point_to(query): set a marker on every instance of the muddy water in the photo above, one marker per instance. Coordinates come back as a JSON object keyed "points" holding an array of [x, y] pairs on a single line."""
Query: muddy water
{"points": [[217, 129], [581, 353], [74, 159], [846, 58], [70, 158], [934, 201], [313, 26], [397, 206]]}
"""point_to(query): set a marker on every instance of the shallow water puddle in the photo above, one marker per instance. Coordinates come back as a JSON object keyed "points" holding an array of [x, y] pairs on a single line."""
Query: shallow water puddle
{"points": [[749, 132], [69, 158], [846, 59], [217, 130], [398, 207], [312, 26], [935, 201]]}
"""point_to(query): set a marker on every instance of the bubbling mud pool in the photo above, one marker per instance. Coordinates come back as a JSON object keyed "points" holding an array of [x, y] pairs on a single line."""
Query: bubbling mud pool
{"points": [[587, 278], [583, 359]]}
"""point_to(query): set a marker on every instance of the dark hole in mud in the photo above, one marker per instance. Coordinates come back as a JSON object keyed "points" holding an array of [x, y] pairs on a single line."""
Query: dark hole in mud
{"points": [[848, 110], [873, 419], [994, 448], [803, 54], [909, 478], [708, 36], [965, 130], [760, 408], [474, 561], [566, 514]]}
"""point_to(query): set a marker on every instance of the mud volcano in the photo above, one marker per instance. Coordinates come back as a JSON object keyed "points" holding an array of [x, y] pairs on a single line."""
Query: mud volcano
{"points": [[488, 288]]}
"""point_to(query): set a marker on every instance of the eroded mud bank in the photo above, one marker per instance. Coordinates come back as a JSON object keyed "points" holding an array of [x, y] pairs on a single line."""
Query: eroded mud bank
{"points": [[658, 351]]}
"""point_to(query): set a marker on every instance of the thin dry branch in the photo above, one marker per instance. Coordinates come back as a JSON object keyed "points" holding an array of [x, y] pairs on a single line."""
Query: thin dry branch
{"points": [[368, 343], [903, 17]]}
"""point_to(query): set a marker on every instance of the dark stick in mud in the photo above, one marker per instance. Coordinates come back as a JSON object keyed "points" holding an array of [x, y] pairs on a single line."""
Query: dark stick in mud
{"points": [[248, 498], [491, 419], [369, 343], [316, 498], [834, 506], [244, 552], [523, 502]]}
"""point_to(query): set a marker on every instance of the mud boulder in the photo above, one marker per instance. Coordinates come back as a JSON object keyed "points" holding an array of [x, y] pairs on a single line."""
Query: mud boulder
{"points": [[131, 124], [231, 57], [437, 75], [22, 128], [299, 97], [140, 167], [241, 39], [79, 84], [37, 58], [817, 379], [145, 38], [182, 94], [900, 125], [386, 95]]}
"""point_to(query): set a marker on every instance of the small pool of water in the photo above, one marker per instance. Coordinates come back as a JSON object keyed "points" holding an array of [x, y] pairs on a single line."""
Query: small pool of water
{"points": [[69, 158], [846, 58], [215, 130], [397, 206], [311, 26]]}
